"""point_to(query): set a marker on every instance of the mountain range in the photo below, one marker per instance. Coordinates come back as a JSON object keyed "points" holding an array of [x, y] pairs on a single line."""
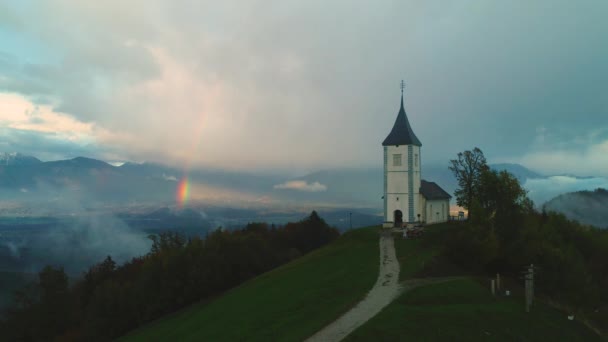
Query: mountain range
{"points": [[91, 182], [16, 158]]}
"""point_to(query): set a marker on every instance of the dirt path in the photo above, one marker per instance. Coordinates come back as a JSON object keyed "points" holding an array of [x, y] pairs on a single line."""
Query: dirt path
{"points": [[384, 291]]}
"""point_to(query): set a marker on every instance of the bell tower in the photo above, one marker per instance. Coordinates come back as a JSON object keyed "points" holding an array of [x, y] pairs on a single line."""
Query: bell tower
{"points": [[401, 172]]}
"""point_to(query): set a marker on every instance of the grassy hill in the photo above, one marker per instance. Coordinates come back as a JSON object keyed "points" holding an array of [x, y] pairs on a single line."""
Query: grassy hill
{"points": [[286, 304], [294, 301], [463, 310]]}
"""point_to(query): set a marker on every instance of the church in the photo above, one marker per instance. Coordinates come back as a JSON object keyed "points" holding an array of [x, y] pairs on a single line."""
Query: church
{"points": [[409, 199]]}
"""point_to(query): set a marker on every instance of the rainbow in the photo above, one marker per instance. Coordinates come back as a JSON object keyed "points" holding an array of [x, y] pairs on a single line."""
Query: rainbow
{"points": [[183, 191]]}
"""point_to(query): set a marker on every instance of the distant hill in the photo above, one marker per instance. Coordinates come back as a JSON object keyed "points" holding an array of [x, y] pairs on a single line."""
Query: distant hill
{"points": [[91, 182], [588, 207], [27, 178], [15, 158], [521, 172]]}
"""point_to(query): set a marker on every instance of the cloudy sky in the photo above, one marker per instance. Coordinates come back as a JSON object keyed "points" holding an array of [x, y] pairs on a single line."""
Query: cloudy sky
{"points": [[302, 85]]}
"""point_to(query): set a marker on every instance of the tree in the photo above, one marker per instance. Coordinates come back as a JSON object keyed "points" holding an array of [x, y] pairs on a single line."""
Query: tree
{"points": [[504, 206], [54, 306], [53, 284], [468, 169], [501, 194]]}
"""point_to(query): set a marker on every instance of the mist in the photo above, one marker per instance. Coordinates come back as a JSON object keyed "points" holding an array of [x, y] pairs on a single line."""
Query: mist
{"points": [[542, 190], [90, 238], [73, 243]]}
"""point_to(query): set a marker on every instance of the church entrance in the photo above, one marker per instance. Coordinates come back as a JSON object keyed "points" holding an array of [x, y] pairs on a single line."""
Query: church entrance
{"points": [[398, 218]]}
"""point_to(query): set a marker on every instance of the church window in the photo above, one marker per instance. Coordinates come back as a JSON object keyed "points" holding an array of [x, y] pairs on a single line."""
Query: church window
{"points": [[396, 160], [416, 160]]}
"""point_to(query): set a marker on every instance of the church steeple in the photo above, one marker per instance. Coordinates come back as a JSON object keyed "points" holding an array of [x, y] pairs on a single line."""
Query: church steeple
{"points": [[402, 133]]}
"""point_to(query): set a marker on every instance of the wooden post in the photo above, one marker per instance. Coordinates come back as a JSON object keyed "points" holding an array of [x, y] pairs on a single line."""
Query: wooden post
{"points": [[531, 270], [529, 285]]}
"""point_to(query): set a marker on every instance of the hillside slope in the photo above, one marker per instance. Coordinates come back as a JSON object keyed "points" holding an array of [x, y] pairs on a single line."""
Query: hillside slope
{"points": [[286, 304], [296, 300], [461, 309], [588, 207]]}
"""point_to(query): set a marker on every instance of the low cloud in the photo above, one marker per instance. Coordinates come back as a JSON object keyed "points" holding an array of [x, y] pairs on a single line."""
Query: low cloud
{"points": [[583, 155], [169, 178], [88, 239], [301, 185], [544, 189]]}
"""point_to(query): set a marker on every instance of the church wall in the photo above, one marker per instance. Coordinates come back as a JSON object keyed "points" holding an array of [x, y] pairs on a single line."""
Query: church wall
{"points": [[402, 150], [437, 211], [422, 208], [397, 182], [417, 175], [396, 204]]}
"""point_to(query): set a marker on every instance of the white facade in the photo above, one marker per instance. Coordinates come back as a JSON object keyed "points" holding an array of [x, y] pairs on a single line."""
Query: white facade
{"points": [[402, 184], [435, 211], [407, 198]]}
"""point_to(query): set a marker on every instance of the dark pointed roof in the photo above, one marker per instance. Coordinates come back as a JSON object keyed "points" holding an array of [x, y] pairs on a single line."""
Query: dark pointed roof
{"points": [[432, 191], [402, 133]]}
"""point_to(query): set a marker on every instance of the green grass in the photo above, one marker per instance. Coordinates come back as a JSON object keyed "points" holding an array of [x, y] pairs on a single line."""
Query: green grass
{"points": [[415, 254], [286, 304], [462, 310], [298, 299]]}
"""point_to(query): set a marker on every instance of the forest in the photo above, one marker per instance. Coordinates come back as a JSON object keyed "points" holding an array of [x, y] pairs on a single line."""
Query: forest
{"points": [[110, 299]]}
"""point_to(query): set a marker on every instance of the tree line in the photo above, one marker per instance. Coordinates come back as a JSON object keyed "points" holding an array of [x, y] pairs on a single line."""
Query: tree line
{"points": [[505, 232], [110, 299]]}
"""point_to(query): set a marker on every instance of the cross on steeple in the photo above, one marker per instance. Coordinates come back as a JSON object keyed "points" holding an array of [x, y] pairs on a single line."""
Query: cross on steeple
{"points": [[402, 133]]}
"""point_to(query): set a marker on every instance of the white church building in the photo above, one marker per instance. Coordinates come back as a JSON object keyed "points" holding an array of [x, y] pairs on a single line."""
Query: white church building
{"points": [[408, 198]]}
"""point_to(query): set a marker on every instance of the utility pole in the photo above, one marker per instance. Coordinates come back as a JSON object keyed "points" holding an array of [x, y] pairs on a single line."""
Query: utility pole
{"points": [[529, 286]]}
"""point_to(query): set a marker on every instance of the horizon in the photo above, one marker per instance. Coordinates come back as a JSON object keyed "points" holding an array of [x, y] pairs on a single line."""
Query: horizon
{"points": [[322, 188], [120, 163], [287, 172]]}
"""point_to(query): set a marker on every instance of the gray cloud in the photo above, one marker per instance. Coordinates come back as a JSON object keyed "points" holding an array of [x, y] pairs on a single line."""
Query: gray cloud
{"points": [[294, 84]]}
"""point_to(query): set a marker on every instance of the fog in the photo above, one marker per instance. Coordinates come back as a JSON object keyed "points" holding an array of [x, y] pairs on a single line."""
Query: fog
{"points": [[89, 239], [542, 190]]}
